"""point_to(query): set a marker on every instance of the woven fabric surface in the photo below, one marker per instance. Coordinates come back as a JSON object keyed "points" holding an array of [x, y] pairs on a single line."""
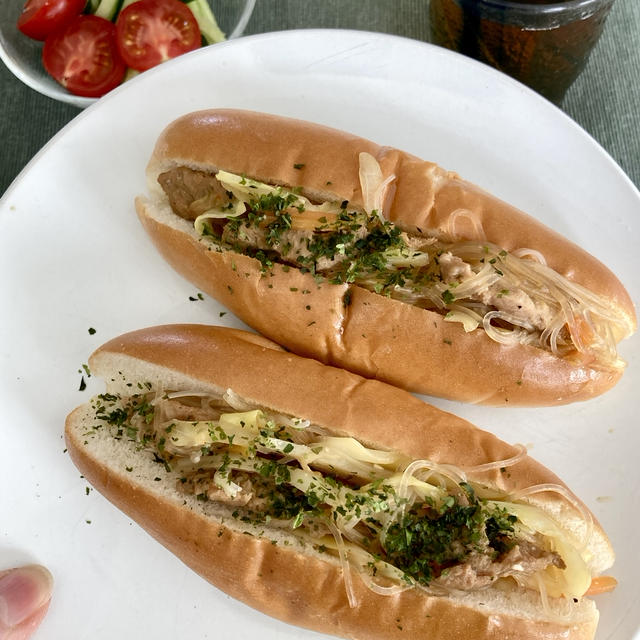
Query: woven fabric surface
{"points": [[605, 100]]}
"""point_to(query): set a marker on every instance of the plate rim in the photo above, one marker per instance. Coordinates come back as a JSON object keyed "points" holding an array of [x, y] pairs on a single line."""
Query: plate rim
{"points": [[5, 200]]}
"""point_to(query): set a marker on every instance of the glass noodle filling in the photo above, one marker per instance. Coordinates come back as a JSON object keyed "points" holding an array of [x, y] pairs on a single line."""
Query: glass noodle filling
{"points": [[400, 523], [514, 297]]}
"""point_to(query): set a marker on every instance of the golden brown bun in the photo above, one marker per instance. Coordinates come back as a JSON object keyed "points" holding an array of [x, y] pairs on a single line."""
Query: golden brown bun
{"points": [[269, 148], [374, 336], [266, 575]]}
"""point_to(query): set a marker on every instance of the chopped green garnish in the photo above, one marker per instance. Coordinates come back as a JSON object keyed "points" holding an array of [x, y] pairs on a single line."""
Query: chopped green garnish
{"points": [[448, 297]]}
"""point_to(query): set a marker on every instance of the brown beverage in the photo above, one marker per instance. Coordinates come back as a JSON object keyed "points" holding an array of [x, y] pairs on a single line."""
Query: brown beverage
{"points": [[545, 47]]}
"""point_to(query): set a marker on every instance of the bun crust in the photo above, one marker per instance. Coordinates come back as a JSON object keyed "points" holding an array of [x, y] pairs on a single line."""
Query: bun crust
{"points": [[345, 325], [266, 575]]}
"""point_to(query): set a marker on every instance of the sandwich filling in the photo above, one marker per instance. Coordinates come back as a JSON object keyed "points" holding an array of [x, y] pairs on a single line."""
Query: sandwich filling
{"points": [[512, 296], [400, 523]]}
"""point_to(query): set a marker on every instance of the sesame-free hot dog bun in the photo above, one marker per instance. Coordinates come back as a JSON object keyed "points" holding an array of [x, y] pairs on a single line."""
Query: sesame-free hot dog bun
{"points": [[369, 323], [154, 375]]}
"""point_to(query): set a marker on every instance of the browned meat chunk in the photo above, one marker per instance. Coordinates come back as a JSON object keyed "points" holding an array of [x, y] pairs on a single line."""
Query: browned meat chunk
{"points": [[479, 570], [292, 244], [192, 192]]}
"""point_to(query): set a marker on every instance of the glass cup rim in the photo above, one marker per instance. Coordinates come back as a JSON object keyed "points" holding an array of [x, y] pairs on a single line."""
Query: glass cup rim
{"points": [[559, 6]]}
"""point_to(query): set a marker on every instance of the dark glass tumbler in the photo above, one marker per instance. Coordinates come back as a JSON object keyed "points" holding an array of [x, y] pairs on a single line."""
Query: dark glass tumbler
{"points": [[541, 43]]}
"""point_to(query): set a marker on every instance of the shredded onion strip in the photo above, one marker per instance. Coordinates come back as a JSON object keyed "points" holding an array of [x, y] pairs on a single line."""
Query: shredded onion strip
{"points": [[472, 217], [235, 401], [584, 513], [372, 184], [500, 464], [173, 395], [158, 413], [469, 318], [529, 253], [499, 334], [344, 561], [559, 616], [364, 560]]}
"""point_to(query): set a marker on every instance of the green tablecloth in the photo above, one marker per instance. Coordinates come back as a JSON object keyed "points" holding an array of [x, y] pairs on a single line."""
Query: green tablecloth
{"points": [[605, 100]]}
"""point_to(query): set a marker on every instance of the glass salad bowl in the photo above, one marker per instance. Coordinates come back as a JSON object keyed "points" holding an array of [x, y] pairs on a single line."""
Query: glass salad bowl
{"points": [[23, 56]]}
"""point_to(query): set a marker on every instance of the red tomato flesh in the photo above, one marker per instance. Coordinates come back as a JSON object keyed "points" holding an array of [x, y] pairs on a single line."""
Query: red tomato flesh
{"points": [[152, 31], [83, 56], [40, 18]]}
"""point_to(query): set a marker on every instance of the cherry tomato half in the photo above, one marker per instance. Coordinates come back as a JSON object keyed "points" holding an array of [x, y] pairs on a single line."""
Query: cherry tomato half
{"points": [[83, 56], [152, 31], [39, 18]]}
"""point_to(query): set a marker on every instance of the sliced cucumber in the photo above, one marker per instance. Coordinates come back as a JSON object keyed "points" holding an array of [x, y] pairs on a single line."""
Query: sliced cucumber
{"points": [[108, 9], [126, 3], [207, 23], [92, 6], [131, 73]]}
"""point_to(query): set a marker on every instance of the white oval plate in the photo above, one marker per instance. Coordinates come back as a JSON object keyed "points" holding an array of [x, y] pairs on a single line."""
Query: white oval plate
{"points": [[73, 256]]}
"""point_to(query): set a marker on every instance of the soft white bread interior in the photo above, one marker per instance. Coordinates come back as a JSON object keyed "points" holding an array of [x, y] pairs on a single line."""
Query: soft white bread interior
{"points": [[263, 567]]}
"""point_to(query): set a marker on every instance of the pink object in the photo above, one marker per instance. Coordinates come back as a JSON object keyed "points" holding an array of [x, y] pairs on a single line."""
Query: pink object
{"points": [[25, 594]]}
